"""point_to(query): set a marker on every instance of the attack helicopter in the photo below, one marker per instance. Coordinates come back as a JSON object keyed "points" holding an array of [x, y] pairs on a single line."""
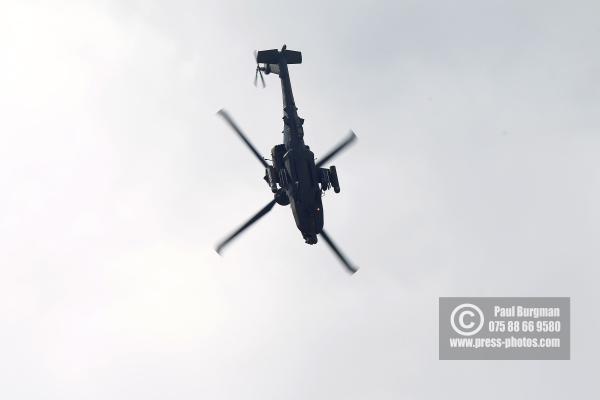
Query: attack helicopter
{"points": [[295, 177]]}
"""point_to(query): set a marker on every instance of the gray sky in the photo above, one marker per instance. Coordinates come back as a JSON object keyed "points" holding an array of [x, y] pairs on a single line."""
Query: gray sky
{"points": [[478, 132]]}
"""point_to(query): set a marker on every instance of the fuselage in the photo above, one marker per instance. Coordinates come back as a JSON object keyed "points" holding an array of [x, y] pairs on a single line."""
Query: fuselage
{"points": [[302, 181]]}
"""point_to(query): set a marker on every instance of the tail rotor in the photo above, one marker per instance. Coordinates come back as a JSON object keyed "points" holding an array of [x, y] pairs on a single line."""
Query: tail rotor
{"points": [[258, 72]]}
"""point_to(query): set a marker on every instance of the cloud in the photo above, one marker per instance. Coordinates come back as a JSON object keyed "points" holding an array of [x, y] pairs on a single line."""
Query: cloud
{"points": [[475, 173]]}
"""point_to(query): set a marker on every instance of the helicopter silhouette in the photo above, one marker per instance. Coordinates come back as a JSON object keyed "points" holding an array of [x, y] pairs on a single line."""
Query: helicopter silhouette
{"points": [[294, 177]]}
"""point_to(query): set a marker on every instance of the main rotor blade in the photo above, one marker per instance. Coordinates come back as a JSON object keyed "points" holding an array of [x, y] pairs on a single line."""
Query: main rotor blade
{"points": [[342, 258], [237, 130], [252, 220], [351, 138]]}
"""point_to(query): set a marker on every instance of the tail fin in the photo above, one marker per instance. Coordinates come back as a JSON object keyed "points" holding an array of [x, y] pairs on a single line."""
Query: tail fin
{"points": [[275, 57]]}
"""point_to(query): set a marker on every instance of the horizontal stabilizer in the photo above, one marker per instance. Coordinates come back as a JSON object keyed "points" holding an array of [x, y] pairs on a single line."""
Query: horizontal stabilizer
{"points": [[275, 57]]}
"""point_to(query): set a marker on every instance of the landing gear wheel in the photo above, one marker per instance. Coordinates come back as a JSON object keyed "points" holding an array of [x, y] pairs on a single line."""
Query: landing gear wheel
{"points": [[281, 198]]}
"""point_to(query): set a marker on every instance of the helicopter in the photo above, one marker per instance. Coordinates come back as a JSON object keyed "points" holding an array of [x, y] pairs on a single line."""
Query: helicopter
{"points": [[295, 177]]}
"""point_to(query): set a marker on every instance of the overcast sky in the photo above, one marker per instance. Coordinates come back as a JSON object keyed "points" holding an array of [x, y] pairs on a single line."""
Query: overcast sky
{"points": [[476, 173]]}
